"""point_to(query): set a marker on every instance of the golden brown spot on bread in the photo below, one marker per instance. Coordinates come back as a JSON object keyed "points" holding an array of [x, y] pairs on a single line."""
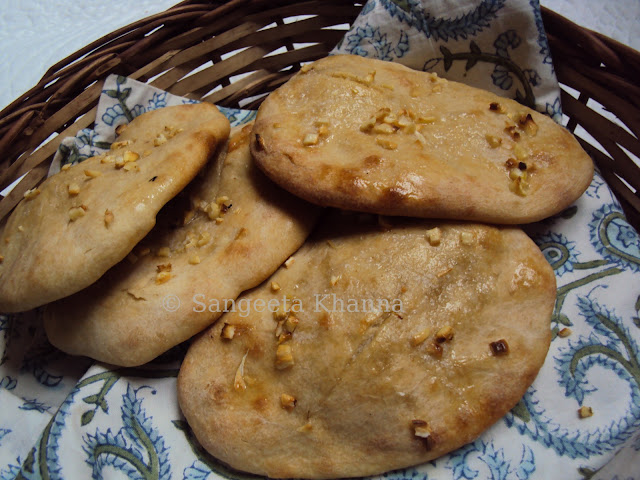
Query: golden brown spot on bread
{"points": [[325, 320], [260, 403], [394, 196], [348, 180], [372, 161], [216, 392], [239, 249]]}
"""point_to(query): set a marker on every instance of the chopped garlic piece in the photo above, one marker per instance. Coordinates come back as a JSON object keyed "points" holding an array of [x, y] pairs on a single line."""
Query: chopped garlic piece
{"points": [[194, 260], [434, 236], [445, 334], [585, 412], [280, 313], [420, 337], [499, 347], [130, 156], [275, 287], [92, 173], [307, 427], [520, 152], [497, 107], [75, 213], [386, 143], [31, 194], [228, 331], [426, 119], [421, 428], [511, 131], [66, 167], [288, 402], [289, 262], [284, 357], [370, 77], [383, 128], [131, 166], [73, 189], [565, 332], [203, 239], [494, 142], [467, 238], [212, 210], [290, 323], [310, 139], [368, 125], [420, 137], [162, 277], [161, 139], [116, 145], [108, 217]]}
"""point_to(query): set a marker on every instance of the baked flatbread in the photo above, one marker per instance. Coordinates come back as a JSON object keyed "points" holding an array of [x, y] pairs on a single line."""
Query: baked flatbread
{"points": [[238, 228], [375, 136], [83, 220], [399, 346]]}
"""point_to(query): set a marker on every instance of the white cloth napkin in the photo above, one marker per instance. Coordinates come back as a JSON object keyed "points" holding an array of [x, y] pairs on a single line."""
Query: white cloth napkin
{"points": [[62, 417]]}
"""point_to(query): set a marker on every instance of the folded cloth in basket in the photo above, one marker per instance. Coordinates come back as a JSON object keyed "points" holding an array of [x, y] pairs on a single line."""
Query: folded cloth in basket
{"points": [[497, 45]]}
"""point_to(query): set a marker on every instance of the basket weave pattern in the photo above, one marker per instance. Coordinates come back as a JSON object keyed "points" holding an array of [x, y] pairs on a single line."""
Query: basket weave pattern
{"points": [[234, 53]]}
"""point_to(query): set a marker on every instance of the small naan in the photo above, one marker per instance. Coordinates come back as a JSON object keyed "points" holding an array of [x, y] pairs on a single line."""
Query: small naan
{"points": [[238, 228], [375, 136], [381, 350], [83, 220]]}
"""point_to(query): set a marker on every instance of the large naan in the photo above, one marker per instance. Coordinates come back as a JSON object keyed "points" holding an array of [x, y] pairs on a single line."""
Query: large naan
{"points": [[386, 349], [83, 220], [375, 136], [238, 228]]}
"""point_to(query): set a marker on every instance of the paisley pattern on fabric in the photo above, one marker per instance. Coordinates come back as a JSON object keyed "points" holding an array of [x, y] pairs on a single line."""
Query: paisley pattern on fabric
{"points": [[498, 45]]}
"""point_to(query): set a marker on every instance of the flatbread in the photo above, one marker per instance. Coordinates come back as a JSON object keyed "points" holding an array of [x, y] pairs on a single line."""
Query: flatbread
{"points": [[402, 376], [238, 228], [83, 220], [374, 136]]}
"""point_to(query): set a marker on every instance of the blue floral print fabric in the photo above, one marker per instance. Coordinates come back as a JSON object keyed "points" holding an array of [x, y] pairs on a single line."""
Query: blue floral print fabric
{"points": [[497, 45]]}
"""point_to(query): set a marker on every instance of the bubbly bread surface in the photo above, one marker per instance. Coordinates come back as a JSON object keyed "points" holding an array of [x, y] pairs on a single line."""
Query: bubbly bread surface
{"points": [[67, 233], [387, 348], [229, 230], [375, 136]]}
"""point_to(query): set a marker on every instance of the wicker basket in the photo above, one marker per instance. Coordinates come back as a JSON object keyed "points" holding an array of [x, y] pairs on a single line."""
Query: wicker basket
{"points": [[221, 52]]}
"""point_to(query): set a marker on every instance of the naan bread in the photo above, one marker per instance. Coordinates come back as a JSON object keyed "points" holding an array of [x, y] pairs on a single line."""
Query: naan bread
{"points": [[374, 136], [83, 220], [399, 346], [238, 228]]}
